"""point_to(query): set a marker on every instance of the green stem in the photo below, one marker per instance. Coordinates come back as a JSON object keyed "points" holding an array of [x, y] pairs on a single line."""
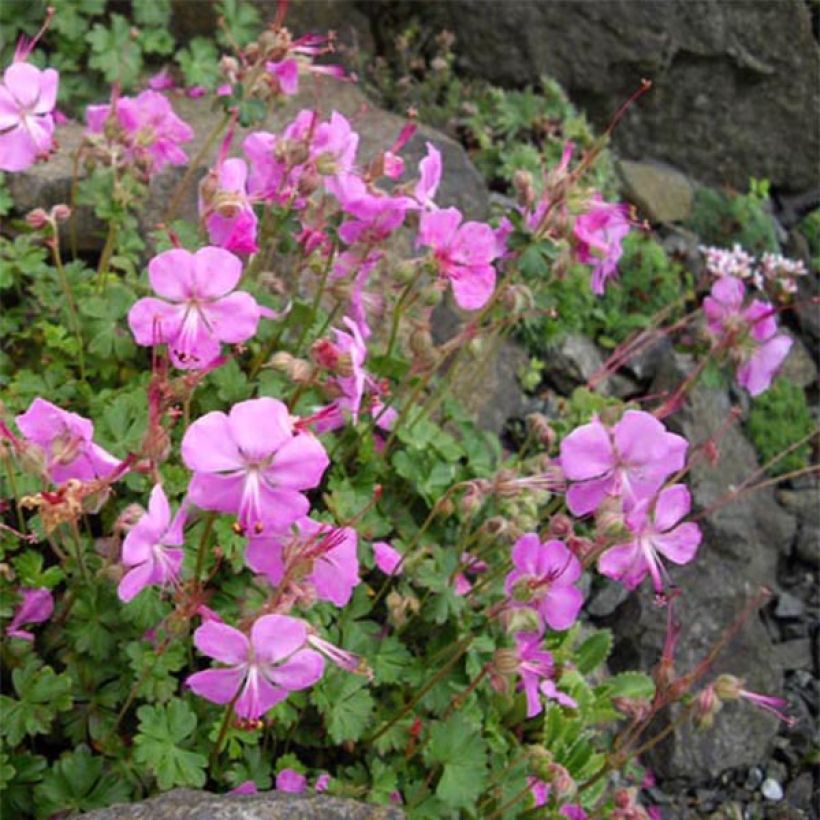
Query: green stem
{"points": [[79, 548], [105, 257], [69, 297], [203, 543], [223, 729], [21, 521], [394, 329], [317, 299]]}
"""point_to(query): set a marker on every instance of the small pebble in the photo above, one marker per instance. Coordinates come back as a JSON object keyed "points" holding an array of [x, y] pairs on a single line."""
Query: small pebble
{"points": [[789, 606], [753, 779], [772, 790]]}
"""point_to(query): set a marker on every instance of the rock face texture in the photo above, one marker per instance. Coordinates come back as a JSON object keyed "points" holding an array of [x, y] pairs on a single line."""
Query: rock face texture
{"points": [[734, 83], [186, 804]]}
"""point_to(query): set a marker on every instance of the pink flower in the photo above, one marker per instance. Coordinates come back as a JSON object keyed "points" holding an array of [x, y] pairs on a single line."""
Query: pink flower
{"points": [[388, 560], [632, 460], [429, 177], [289, 780], [247, 787], [27, 99], [152, 131], [472, 565], [228, 213], [598, 236], [539, 790], [543, 579], [35, 608], [348, 354], [146, 548], [533, 665], [161, 81], [322, 555], [463, 253], [334, 145], [573, 812], [261, 671], [201, 310], [749, 333], [655, 529], [322, 782], [66, 439], [253, 464], [549, 690], [286, 73]]}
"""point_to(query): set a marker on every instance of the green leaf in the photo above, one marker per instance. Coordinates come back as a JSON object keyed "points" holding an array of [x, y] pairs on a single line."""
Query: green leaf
{"points": [[77, 782], [115, 51], [345, 705], [153, 671], [154, 13], [42, 694], [162, 731], [459, 748], [199, 62], [628, 685], [593, 651]]}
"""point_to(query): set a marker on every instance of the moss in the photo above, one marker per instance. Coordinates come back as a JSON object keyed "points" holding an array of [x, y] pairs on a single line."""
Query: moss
{"points": [[779, 418]]}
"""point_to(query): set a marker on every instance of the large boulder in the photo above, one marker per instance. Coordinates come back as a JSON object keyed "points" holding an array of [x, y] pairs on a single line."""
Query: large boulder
{"points": [[738, 556], [187, 804], [733, 82]]}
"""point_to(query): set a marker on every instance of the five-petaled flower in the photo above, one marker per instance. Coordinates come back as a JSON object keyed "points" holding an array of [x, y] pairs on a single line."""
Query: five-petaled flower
{"points": [[151, 548], [27, 98], [202, 308], [631, 460], [655, 529], [253, 463], [261, 671], [543, 579], [598, 236]]}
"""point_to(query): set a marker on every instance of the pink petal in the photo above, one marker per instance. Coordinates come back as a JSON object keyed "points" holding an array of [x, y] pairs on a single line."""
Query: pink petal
{"points": [[299, 463], [624, 563], [134, 581], [260, 427], [216, 685], [301, 671], [222, 493], [560, 606], [761, 317], [222, 643], [387, 559], [757, 373], [438, 228], [587, 496], [17, 150], [275, 637], [587, 452], [49, 82], [290, 781], [279, 507], [216, 272], [23, 81], [9, 110], [208, 445], [264, 555], [672, 505], [154, 322], [639, 437], [680, 544], [473, 287], [526, 552], [258, 696], [171, 274]]}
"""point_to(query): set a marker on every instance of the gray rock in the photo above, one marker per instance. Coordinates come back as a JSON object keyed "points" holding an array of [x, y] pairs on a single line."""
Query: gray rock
{"points": [[771, 790], [661, 192], [187, 804], [607, 599], [794, 654], [799, 791], [789, 606], [733, 82], [799, 367], [575, 360]]}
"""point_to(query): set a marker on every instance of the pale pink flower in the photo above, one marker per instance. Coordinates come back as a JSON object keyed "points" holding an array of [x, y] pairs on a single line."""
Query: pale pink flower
{"points": [[322, 782], [543, 579], [749, 333], [387, 559], [429, 177], [149, 548], [534, 664], [349, 352], [260, 672], [161, 81], [463, 254], [291, 781], [152, 131], [655, 529], [36, 607], [334, 146], [311, 552], [598, 236], [201, 310], [229, 216], [66, 440], [27, 99], [253, 463], [631, 460]]}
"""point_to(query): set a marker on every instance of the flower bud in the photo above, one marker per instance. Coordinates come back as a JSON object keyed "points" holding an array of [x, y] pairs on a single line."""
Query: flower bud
{"points": [[524, 188], [506, 662], [431, 296], [37, 218], [541, 429], [60, 212], [560, 526], [404, 272], [728, 687], [522, 619], [561, 781], [707, 705]]}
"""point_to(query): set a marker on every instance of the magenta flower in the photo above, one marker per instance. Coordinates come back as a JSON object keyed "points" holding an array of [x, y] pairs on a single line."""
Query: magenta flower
{"points": [[246, 787], [429, 177], [543, 579], [35, 608], [598, 236], [388, 560], [66, 440], [334, 146], [291, 781], [319, 554], [228, 213], [750, 333], [654, 531], [201, 310], [27, 99], [539, 790], [253, 464], [632, 460], [534, 664], [152, 131], [322, 782], [286, 73], [148, 548], [463, 253], [260, 672], [349, 352]]}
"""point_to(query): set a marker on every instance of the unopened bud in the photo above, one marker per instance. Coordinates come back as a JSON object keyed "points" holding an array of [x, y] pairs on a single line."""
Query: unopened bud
{"points": [[609, 518], [728, 687], [540, 760], [37, 218], [707, 705], [60, 212], [581, 548], [421, 343], [541, 429], [522, 619], [495, 526], [506, 662], [561, 781], [128, 517], [636, 708], [431, 296], [404, 272], [32, 459], [309, 181], [560, 526], [524, 188]]}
